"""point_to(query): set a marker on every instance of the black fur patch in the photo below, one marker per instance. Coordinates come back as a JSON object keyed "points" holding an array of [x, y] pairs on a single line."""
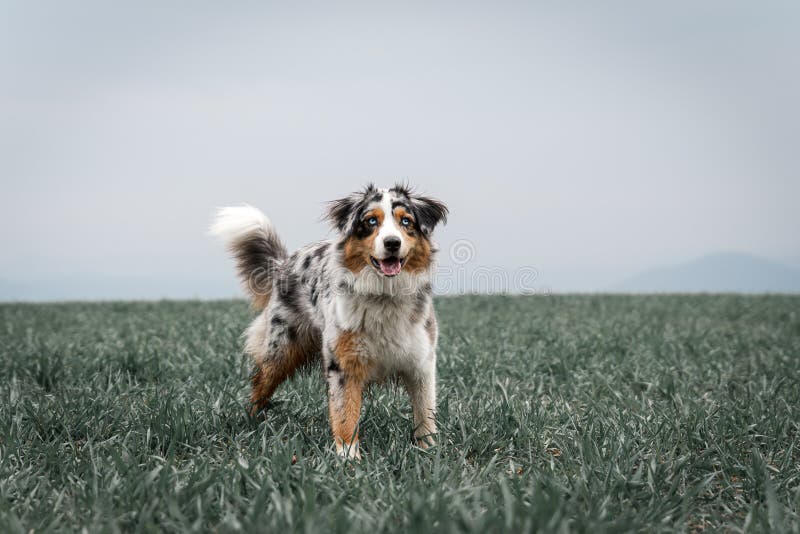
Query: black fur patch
{"points": [[363, 230], [400, 204], [257, 259], [427, 211], [403, 190], [333, 366], [288, 291], [306, 262], [343, 213]]}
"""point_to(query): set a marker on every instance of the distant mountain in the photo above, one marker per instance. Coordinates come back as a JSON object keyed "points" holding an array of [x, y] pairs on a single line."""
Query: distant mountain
{"points": [[722, 272]]}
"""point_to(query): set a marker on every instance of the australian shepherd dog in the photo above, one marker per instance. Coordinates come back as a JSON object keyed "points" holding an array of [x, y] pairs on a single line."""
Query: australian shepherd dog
{"points": [[361, 303]]}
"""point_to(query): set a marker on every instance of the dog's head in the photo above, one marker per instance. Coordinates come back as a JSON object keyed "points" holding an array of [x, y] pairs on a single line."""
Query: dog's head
{"points": [[388, 230]]}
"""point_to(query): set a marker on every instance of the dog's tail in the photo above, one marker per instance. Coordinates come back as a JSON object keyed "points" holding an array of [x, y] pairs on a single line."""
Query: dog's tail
{"points": [[256, 247]]}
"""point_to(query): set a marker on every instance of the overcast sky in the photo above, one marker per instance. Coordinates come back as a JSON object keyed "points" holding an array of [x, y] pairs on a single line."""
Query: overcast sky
{"points": [[589, 142]]}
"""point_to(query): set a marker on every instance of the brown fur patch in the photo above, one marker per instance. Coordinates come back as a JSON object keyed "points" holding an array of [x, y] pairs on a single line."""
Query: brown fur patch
{"points": [[357, 250], [272, 372], [345, 413], [260, 300], [419, 254], [345, 410], [348, 356], [400, 212]]}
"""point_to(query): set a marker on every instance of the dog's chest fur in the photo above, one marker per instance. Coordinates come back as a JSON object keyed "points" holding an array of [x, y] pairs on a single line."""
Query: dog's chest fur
{"points": [[391, 329]]}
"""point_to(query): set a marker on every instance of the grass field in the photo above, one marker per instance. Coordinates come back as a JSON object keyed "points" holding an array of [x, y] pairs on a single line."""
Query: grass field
{"points": [[574, 413]]}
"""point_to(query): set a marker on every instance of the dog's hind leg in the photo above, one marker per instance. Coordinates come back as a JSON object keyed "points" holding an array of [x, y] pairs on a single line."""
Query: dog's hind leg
{"points": [[272, 371], [276, 357]]}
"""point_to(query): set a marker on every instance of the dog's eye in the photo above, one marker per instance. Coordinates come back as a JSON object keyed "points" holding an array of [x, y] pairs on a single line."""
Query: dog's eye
{"points": [[405, 221], [372, 221]]}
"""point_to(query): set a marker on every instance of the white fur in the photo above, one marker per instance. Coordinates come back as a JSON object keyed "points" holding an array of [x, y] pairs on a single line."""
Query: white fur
{"points": [[232, 224], [389, 228], [371, 282]]}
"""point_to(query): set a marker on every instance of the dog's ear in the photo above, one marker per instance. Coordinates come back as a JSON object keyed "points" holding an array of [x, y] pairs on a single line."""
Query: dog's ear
{"points": [[343, 213], [339, 212], [429, 212]]}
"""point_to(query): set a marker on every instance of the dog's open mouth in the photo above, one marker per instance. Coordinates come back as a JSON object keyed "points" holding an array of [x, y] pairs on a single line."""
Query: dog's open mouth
{"points": [[389, 266]]}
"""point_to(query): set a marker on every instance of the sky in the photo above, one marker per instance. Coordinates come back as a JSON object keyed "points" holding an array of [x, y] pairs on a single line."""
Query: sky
{"points": [[580, 142]]}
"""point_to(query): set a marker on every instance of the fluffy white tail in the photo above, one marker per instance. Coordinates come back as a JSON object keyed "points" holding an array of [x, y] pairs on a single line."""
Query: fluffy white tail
{"points": [[256, 247]]}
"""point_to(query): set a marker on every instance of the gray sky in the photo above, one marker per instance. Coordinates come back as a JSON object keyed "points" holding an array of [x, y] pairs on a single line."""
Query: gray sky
{"points": [[588, 142]]}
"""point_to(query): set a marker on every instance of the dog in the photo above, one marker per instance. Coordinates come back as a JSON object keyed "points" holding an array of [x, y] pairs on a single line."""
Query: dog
{"points": [[361, 303]]}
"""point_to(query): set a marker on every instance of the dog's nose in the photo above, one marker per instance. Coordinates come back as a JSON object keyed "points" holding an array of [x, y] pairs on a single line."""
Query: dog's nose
{"points": [[392, 243]]}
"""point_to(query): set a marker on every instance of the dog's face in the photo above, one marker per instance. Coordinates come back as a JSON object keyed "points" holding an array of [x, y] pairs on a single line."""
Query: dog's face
{"points": [[387, 230]]}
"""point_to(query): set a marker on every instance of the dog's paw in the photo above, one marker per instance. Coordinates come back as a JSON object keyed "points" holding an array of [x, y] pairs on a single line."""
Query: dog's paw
{"points": [[348, 452], [259, 413], [425, 442]]}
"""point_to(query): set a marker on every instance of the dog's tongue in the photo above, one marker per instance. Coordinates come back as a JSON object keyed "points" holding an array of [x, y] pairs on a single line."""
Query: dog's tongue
{"points": [[390, 266]]}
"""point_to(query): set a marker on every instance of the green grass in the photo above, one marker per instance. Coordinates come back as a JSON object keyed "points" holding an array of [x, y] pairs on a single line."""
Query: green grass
{"points": [[574, 413]]}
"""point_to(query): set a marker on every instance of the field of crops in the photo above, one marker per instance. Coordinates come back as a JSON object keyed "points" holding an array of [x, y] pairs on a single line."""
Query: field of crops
{"points": [[574, 413]]}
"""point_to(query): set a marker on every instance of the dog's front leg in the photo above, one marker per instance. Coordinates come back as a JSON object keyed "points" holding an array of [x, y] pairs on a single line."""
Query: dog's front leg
{"points": [[347, 372], [421, 387]]}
